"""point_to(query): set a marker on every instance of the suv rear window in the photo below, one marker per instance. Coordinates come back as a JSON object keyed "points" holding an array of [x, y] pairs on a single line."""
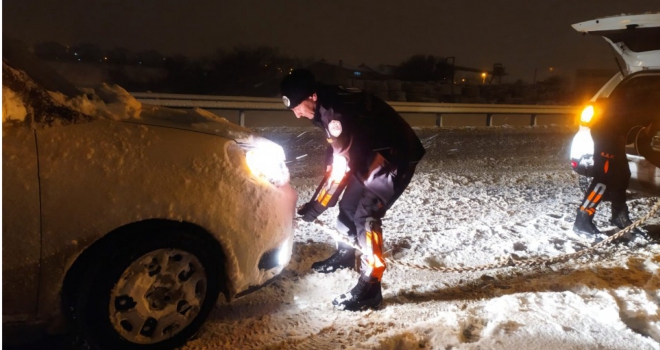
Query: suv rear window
{"points": [[636, 39], [640, 91]]}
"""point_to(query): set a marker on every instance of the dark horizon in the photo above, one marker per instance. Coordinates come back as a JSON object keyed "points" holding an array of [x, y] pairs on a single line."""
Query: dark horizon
{"points": [[524, 37]]}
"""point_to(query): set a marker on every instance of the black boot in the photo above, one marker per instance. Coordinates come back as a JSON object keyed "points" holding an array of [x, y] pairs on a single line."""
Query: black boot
{"points": [[584, 225], [621, 219], [365, 295], [344, 257]]}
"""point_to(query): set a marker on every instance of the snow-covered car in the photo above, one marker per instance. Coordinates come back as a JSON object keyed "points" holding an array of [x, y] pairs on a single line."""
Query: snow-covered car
{"points": [[636, 39], [127, 221]]}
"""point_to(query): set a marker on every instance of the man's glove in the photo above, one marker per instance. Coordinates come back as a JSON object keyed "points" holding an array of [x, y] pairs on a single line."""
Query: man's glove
{"points": [[308, 212]]}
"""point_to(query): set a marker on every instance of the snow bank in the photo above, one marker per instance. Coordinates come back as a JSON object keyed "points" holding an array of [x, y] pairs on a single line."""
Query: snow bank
{"points": [[107, 101], [13, 109]]}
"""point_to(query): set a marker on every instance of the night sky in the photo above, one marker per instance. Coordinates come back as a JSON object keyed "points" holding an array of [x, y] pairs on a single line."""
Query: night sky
{"points": [[523, 35]]}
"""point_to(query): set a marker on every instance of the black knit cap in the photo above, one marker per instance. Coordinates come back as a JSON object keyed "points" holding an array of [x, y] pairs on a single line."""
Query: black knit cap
{"points": [[297, 87]]}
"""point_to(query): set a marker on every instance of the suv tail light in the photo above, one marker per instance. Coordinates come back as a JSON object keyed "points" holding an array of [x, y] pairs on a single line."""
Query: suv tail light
{"points": [[587, 114]]}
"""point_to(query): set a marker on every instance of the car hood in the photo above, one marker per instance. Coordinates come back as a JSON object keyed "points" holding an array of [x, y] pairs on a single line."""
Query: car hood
{"points": [[196, 120], [635, 37]]}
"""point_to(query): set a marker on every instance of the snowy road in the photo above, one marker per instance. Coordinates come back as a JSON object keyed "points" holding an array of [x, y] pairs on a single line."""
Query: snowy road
{"points": [[479, 195]]}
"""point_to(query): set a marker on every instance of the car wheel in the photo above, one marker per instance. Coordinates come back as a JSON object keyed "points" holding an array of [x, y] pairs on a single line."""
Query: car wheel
{"points": [[154, 291]]}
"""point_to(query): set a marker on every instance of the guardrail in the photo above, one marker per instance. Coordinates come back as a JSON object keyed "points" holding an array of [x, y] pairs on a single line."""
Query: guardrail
{"points": [[244, 104]]}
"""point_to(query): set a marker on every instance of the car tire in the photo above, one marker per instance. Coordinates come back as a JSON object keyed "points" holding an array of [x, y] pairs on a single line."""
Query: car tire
{"points": [[151, 290], [644, 144]]}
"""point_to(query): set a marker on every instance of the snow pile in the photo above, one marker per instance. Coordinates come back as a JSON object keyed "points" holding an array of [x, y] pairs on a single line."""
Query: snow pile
{"points": [[480, 194], [107, 101], [13, 109], [23, 98]]}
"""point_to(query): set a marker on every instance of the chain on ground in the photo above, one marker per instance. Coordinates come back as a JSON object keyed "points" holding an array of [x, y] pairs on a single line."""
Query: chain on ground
{"points": [[508, 261]]}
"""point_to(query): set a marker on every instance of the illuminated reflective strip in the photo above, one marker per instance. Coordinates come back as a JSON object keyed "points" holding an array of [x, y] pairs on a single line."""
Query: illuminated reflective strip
{"points": [[321, 195], [599, 190], [597, 200], [325, 200], [593, 199], [376, 265], [328, 191], [607, 166], [369, 251]]}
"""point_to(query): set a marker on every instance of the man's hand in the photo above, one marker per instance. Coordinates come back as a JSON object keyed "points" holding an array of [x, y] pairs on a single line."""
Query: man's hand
{"points": [[308, 212]]}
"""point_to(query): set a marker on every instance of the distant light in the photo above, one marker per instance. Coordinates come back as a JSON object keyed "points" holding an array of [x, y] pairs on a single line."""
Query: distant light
{"points": [[75, 53], [105, 58], [140, 62], [357, 74], [79, 60]]}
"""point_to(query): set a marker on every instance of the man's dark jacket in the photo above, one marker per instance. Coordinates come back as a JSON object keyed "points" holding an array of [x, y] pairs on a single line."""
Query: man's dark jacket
{"points": [[360, 126]]}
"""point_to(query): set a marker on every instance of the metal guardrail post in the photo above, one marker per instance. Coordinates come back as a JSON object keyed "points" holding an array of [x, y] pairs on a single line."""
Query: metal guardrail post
{"points": [[533, 121], [489, 119], [438, 120], [241, 117]]}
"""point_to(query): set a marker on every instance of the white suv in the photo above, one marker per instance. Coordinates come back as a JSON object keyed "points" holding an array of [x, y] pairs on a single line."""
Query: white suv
{"points": [[636, 38]]}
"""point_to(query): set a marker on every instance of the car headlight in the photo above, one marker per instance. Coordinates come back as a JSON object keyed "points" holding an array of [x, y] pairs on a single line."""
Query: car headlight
{"points": [[266, 160]]}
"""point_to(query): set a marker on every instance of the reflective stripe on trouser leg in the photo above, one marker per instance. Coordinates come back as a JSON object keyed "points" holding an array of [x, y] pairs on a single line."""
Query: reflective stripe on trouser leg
{"points": [[593, 198], [372, 254]]}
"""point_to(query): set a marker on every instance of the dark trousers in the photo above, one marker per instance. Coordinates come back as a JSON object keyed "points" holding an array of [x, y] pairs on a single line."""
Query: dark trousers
{"points": [[611, 173], [363, 205]]}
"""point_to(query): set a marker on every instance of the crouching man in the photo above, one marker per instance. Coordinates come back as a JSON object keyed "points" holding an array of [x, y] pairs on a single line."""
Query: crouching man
{"points": [[372, 156]]}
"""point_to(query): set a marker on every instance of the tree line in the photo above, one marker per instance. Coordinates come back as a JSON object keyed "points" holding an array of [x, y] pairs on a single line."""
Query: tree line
{"points": [[243, 70]]}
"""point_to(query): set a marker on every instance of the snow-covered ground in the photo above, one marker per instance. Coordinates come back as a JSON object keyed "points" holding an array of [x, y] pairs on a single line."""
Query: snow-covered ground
{"points": [[479, 195]]}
